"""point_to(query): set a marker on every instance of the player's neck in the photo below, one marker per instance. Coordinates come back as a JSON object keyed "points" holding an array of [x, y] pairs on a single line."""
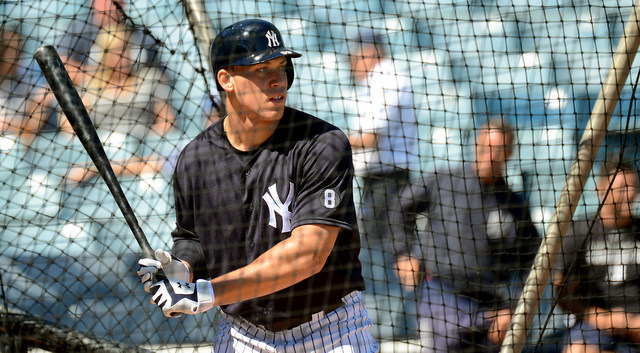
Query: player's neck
{"points": [[614, 220], [245, 134]]}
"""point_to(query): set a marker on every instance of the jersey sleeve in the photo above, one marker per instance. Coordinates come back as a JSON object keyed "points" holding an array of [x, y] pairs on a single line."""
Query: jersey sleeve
{"points": [[325, 186], [186, 243]]}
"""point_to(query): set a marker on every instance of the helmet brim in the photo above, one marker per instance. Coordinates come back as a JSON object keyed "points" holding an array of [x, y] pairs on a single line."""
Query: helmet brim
{"points": [[266, 56]]}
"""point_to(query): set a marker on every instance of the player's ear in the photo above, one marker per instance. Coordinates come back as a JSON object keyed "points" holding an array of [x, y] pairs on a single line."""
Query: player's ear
{"points": [[224, 79]]}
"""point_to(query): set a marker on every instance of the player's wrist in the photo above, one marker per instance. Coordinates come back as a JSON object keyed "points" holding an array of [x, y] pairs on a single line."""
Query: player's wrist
{"points": [[206, 297], [189, 270]]}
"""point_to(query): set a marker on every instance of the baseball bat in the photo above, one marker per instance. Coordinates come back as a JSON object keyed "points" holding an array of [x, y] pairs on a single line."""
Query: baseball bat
{"points": [[75, 111]]}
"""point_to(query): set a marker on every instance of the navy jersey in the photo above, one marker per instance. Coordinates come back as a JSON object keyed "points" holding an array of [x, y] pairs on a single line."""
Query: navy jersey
{"points": [[478, 238], [605, 263], [233, 206]]}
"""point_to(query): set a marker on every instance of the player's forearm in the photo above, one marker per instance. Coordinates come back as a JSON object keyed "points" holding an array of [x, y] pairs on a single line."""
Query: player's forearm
{"points": [[616, 321], [287, 263]]}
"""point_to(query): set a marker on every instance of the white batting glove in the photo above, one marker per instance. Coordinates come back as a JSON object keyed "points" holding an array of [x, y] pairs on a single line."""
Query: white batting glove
{"points": [[178, 297], [172, 267]]}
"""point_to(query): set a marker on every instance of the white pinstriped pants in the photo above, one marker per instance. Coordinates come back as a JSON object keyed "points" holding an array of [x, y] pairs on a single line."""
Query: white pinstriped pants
{"points": [[344, 330]]}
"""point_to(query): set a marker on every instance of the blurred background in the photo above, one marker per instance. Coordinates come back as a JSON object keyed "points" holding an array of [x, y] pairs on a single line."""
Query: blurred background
{"points": [[66, 254]]}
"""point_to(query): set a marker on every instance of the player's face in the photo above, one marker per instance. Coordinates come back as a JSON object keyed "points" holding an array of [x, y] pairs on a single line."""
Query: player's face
{"points": [[261, 90], [363, 61], [492, 151], [622, 192]]}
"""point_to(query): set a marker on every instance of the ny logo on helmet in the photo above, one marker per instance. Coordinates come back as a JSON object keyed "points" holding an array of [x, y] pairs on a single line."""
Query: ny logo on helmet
{"points": [[272, 39]]}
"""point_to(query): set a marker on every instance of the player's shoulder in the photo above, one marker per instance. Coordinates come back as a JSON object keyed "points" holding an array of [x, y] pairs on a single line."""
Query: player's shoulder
{"points": [[311, 127], [303, 119], [200, 146]]}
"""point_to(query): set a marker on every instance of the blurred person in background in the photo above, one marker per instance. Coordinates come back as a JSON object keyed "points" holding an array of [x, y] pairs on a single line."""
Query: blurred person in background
{"points": [[17, 82], [125, 100], [80, 37], [384, 139], [471, 261], [80, 52], [121, 95], [600, 278]]}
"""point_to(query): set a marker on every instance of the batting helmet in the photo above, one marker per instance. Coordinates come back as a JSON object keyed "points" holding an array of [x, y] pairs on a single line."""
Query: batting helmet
{"points": [[249, 42]]}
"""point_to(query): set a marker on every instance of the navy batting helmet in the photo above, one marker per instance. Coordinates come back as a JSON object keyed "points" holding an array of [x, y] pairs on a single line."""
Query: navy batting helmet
{"points": [[249, 42]]}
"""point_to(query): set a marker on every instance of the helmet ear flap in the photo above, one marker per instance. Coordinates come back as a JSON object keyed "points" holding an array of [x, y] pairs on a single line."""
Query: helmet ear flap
{"points": [[290, 72]]}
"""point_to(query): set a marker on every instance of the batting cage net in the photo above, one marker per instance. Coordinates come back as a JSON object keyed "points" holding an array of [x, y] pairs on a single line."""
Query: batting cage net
{"points": [[420, 87]]}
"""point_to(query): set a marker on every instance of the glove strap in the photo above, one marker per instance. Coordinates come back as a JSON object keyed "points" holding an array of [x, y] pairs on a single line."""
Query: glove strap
{"points": [[206, 298]]}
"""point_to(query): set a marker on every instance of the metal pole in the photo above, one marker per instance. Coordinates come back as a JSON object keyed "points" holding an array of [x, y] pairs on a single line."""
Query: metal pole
{"points": [[203, 33], [200, 23], [580, 169]]}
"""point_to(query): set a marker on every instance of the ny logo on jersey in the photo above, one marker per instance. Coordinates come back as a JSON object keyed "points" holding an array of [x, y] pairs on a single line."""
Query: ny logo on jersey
{"points": [[272, 39], [276, 206]]}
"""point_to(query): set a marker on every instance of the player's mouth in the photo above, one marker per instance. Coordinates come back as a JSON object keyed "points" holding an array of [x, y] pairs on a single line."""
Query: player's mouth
{"points": [[278, 99]]}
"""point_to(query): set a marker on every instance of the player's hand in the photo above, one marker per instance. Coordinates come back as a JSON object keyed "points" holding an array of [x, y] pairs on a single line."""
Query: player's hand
{"points": [[408, 272], [172, 267], [500, 321], [178, 297]]}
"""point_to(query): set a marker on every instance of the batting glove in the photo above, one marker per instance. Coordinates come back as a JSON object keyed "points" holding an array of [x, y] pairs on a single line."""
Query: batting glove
{"points": [[172, 267], [178, 297]]}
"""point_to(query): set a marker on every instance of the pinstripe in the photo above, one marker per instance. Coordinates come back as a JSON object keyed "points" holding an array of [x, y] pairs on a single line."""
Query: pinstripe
{"points": [[345, 330]]}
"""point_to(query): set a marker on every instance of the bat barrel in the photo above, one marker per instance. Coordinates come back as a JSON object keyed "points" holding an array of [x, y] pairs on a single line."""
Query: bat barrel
{"points": [[73, 108]]}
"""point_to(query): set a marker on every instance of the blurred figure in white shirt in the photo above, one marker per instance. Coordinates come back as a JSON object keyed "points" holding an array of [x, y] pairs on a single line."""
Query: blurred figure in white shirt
{"points": [[384, 139]]}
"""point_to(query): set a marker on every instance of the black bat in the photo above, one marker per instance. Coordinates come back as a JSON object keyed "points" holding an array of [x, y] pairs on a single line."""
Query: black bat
{"points": [[75, 111]]}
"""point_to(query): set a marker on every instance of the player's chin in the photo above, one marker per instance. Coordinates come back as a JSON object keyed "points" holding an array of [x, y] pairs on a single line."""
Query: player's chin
{"points": [[275, 105], [273, 112]]}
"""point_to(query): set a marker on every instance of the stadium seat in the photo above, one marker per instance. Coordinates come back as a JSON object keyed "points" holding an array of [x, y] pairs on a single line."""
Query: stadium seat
{"points": [[46, 237], [228, 12]]}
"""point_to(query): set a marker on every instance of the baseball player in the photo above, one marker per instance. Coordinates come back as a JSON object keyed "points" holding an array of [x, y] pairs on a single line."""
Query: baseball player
{"points": [[266, 227], [475, 251], [599, 276]]}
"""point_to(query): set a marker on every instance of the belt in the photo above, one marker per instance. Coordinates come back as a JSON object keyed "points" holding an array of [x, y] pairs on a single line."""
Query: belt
{"points": [[291, 322]]}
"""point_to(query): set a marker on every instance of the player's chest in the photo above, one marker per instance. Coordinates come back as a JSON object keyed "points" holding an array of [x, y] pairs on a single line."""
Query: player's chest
{"points": [[614, 257], [250, 183]]}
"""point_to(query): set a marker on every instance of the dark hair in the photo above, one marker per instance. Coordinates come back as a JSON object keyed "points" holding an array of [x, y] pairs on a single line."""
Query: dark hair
{"points": [[370, 37]]}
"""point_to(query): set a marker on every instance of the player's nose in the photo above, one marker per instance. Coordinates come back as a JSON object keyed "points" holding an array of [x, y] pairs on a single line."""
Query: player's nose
{"points": [[277, 78]]}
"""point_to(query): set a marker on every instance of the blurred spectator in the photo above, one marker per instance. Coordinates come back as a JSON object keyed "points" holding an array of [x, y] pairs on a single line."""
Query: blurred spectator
{"points": [[473, 257], [81, 51], [384, 139], [121, 96], [211, 108], [125, 101], [17, 82], [601, 268], [80, 37]]}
